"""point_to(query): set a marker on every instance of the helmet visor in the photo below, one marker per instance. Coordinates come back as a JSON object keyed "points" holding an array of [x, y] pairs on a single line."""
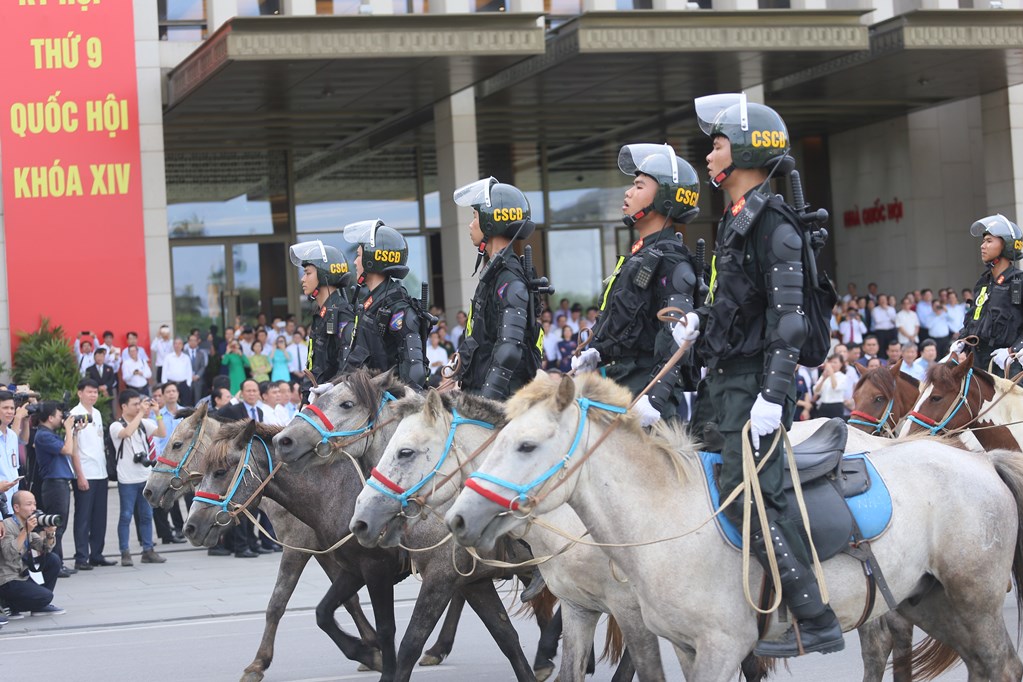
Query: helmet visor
{"points": [[362, 232], [308, 252], [710, 108], [997, 225], [651, 159], [475, 193]]}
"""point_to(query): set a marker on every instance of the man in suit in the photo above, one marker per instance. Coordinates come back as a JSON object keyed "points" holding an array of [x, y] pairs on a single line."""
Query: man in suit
{"points": [[248, 405], [199, 360], [103, 374]]}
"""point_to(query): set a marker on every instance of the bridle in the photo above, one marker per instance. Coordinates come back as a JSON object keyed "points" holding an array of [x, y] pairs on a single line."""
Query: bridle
{"points": [[394, 491], [224, 501], [176, 483], [327, 433], [514, 503], [932, 426], [864, 419]]}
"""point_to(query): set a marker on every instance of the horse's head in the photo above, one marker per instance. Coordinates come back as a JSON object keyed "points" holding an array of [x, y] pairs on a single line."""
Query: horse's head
{"points": [[420, 464], [881, 398], [347, 413], [523, 473], [237, 461], [949, 399], [176, 470]]}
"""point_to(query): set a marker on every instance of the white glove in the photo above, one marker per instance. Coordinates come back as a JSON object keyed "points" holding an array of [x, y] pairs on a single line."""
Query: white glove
{"points": [[957, 347], [316, 391], [586, 361], [647, 413], [688, 331], [765, 418], [1001, 357]]}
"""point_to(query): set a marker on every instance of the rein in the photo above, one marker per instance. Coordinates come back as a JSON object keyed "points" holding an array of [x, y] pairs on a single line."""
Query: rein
{"points": [[327, 433], [224, 501], [864, 419], [176, 482], [932, 426]]}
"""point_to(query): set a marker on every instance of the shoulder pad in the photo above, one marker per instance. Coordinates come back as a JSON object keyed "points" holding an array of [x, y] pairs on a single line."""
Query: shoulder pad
{"points": [[683, 277], [513, 292]]}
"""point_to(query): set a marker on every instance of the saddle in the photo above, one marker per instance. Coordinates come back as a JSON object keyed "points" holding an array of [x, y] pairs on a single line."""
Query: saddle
{"points": [[846, 499]]}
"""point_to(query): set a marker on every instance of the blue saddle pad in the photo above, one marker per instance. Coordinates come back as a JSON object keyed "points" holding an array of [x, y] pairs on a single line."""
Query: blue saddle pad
{"points": [[872, 509]]}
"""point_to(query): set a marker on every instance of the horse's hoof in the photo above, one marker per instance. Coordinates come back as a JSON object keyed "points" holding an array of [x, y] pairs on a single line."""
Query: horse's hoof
{"points": [[429, 659], [542, 674], [252, 676], [378, 661], [363, 668]]}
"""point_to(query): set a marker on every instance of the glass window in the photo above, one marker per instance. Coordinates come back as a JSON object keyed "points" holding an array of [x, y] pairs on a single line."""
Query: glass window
{"points": [[418, 257], [575, 264], [589, 196], [255, 8], [218, 195], [199, 282], [181, 19]]}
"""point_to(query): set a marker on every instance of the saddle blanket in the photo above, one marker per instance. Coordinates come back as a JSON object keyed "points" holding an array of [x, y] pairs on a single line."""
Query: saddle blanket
{"points": [[871, 509]]}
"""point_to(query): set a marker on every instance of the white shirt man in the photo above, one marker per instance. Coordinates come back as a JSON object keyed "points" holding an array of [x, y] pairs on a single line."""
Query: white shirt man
{"points": [[162, 346], [135, 370], [177, 365], [298, 354], [852, 330], [9, 460], [91, 449], [128, 471], [436, 356]]}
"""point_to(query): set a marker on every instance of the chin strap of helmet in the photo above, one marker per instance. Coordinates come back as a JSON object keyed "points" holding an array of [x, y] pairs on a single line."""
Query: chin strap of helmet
{"points": [[631, 220], [480, 253], [716, 181], [316, 292]]}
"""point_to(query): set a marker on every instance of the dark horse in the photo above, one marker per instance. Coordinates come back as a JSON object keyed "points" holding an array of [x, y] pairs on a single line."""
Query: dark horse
{"points": [[882, 397]]}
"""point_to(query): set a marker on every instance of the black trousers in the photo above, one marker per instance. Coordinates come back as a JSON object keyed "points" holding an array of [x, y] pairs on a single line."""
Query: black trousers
{"points": [[26, 595], [56, 499], [90, 525]]}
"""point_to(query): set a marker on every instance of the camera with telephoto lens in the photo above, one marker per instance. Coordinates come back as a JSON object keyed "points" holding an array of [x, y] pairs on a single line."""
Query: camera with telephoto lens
{"points": [[83, 419], [143, 459], [48, 520]]}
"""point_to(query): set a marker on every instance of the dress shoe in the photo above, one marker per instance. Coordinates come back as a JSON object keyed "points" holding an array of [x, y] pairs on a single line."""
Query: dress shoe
{"points": [[178, 534], [172, 540], [82, 567], [65, 573], [247, 554], [102, 562], [150, 556], [218, 551], [263, 550]]}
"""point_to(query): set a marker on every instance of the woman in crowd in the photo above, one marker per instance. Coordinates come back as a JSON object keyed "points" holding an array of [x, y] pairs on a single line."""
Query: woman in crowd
{"points": [[259, 363], [883, 318], [830, 388], [566, 347], [279, 360], [237, 364]]}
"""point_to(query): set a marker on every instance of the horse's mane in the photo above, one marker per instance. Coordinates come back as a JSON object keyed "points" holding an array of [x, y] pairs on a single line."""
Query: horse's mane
{"points": [[186, 412], [468, 405], [942, 375], [367, 392], [668, 440], [881, 379], [218, 454]]}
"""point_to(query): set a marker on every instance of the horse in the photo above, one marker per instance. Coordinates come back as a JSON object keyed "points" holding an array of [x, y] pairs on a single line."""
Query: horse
{"points": [[882, 397], [952, 542], [443, 580], [959, 396], [170, 480], [426, 454]]}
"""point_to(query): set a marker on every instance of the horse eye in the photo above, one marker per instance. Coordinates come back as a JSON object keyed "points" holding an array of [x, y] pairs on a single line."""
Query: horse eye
{"points": [[220, 473], [347, 405], [405, 453], [935, 398], [176, 446], [879, 399], [527, 447]]}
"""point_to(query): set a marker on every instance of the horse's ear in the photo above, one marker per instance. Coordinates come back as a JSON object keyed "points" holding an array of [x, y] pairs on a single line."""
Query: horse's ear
{"points": [[860, 369], [965, 365], [247, 433], [434, 407], [896, 369], [565, 394], [200, 412], [384, 379]]}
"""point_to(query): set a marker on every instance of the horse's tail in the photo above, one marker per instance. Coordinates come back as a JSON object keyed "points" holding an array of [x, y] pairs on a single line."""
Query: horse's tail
{"points": [[931, 658], [758, 668], [541, 606], [614, 642], [1009, 466]]}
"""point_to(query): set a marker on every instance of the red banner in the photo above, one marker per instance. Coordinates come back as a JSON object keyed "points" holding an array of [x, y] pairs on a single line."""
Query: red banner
{"points": [[71, 176]]}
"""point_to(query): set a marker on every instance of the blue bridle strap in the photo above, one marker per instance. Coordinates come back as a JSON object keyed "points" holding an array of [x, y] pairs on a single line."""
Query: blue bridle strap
{"points": [[404, 496], [879, 426], [326, 435], [934, 427], [176, 471], [223, 501], [522, 489]]}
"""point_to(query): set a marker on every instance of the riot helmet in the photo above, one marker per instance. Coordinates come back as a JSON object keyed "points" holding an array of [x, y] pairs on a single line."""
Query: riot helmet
{"points": [[758, 136], [999, 226], [678, 186], [503, 211], [329, 262], [384, 250]]}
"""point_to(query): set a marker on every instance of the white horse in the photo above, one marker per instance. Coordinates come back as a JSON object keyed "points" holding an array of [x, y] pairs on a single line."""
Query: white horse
{"points": [[951, 546], [428, 447]]}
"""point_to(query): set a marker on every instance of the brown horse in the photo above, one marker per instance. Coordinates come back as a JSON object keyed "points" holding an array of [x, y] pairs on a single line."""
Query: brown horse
{"points": [[958, 396], [882, 397]]}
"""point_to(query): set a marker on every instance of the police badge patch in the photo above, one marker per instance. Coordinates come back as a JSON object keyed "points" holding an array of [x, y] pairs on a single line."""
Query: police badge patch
{"points": [[500, 290], [397, 320]]}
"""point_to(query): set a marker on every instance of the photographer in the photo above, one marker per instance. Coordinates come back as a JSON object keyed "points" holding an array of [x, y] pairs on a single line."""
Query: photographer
{"points": [[58, 463], [132, 436], [22, 532], [11, 420], [90, 523]]}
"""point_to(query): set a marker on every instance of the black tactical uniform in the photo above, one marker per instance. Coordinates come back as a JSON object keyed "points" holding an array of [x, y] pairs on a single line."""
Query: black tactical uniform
{"points": [[752, 330], [499, 351], [390, 329], [633, 344], [995, 315]]}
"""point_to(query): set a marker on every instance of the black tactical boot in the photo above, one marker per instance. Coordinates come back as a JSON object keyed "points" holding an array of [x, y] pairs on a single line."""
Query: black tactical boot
{"points": [[819, 630], [536, 585]]}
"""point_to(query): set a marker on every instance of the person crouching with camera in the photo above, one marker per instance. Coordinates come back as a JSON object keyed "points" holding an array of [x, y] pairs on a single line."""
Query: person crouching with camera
{"points": [[132, 436], [24, 532], [58, 463]]}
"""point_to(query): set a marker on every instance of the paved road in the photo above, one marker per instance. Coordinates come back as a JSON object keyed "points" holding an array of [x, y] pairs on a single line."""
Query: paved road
{"points": [[200, 618]]}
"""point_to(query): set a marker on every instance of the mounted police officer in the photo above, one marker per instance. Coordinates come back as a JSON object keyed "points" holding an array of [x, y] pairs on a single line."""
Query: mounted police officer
{"points": [[629, 344], [498, 351], [324, 270], [389, 325], [753, 327], [996, 314]]}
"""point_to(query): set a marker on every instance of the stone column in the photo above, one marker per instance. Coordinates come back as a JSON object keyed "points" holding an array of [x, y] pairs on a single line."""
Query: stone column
{"points": [[457, 165], [1002, 123], [217, 13], [299, 8], [154, 181]]}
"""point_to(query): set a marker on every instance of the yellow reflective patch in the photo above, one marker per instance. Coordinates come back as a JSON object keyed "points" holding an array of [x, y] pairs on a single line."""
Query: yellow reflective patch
{"points": [[713, 278], [981, 300], [611, 282], [539, 341], [468, 322], [309, 353]]}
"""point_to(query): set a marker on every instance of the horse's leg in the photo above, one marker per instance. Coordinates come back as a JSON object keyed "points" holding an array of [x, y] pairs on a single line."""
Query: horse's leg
{"points": [[433, 597], [641, 647], [340, 591], [547, 648], [446, 639], [381, 594], [626, 671], [875, 647], [483, 599], [579, 626], [288, 572], [901, 630], [716, 659]]}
